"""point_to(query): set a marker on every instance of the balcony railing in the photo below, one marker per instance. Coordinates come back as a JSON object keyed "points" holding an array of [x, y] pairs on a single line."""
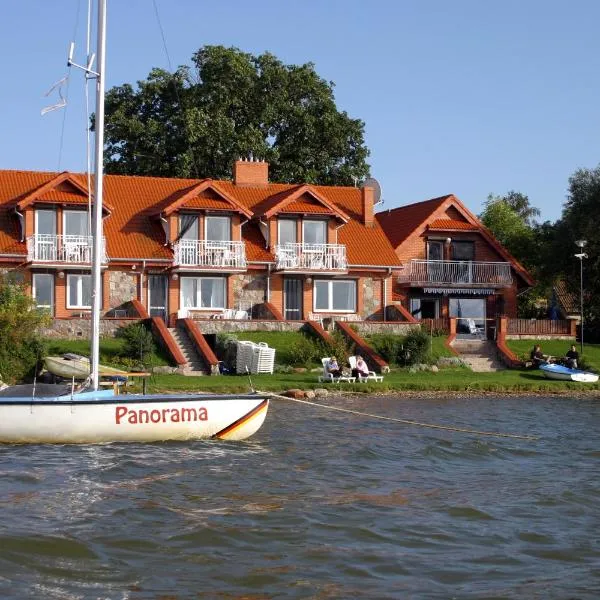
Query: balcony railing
{"points": [[453, 272], [210, 254], [74, 249], [311, 257]]}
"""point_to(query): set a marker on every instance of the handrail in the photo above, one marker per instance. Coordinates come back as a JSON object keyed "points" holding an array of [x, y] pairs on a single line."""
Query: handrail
{"points": [[455, 272], [311, 256], [210, 253], [46, 247]]}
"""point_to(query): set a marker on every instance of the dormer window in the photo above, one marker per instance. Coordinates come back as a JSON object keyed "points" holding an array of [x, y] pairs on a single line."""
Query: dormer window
{"points": [[188, 227], [217, 229], [45, 222], [75, 222], [287, 231], [314, 232]]}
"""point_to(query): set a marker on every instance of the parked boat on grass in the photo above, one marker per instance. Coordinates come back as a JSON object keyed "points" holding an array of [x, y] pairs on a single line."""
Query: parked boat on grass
{"points": [[74, 366], [556, 371]]}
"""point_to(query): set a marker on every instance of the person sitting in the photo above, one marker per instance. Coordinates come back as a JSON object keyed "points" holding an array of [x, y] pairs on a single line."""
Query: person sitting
{"points": [[361, 369], [572, 357], [333, 368], [537, 356]]}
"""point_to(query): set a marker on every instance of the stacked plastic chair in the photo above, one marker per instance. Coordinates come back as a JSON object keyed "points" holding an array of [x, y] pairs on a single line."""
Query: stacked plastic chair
{"points": [[254, 358]]}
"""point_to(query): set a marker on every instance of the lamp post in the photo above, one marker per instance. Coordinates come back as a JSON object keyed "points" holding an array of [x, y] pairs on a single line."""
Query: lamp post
{"points": [[581, 255]]}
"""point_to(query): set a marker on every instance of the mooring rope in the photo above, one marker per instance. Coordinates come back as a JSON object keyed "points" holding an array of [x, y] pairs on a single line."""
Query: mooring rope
{"points": [[404, 421]]}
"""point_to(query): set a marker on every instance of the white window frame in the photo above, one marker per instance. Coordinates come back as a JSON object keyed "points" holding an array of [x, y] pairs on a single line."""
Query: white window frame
{"points": [[64, 221], [295, 222], [330, 308], [322, 221], [79, 284], [207, 217], [37, 210], [197, 305], [33, 289]]}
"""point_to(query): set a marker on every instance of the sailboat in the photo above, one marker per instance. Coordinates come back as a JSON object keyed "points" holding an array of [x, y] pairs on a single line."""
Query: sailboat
{"points": [[55, 415]]}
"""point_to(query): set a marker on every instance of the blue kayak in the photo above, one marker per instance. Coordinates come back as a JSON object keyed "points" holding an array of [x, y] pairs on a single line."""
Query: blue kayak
{"points": [[554, 371]]}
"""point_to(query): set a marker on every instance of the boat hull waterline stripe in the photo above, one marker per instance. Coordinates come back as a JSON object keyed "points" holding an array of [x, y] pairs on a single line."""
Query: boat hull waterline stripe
{"points": [[243, 421]]}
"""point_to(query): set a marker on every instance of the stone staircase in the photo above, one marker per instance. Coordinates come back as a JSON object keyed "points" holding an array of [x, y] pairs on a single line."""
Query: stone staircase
{"points": [[480, 355], [194, 364]]}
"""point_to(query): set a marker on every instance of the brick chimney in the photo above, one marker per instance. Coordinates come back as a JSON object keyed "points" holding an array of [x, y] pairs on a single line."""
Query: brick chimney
{"points": [[250, 172], [368, 200]]}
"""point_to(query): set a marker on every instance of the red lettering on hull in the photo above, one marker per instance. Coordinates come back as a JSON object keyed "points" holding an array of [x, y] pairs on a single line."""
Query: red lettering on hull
{"points": [[136, 416]]}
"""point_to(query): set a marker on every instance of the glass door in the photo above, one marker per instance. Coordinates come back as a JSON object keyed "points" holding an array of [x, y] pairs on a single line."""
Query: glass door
{"points": [[157, 296], [470, 313], [292, 299]]}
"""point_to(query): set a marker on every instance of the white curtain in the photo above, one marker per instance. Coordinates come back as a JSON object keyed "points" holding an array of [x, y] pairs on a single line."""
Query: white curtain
{"points": [[76, 223], [218, 229]]}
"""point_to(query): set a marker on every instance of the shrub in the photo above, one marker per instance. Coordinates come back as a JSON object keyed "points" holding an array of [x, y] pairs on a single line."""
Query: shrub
{"points": [[139, 342], [304, 351], [387, 346], [226, 349], [20, 345], [337, 346], [415, 348]]}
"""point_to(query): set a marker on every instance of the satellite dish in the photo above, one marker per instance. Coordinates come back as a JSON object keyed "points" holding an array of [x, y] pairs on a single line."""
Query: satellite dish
{"points": [[373, 183]]}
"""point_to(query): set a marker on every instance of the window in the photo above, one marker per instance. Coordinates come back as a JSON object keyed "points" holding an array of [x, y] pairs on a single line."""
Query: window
{"points": [[218, 229], [424, 308], [43, 290], [335, 295], [75, 223], [435, 250], [45, 222], [287, 231], [314, 232], [463, 251], [188, 227], [79, 291], [203, 292]]}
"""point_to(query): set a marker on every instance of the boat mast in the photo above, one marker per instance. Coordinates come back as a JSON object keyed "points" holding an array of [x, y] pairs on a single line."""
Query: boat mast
{"points": [[97, 205]]}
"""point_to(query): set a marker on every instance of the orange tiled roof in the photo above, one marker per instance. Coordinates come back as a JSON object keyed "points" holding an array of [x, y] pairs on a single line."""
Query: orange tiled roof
{"points": [[566, 299], [451, 225], [400, 223], [132, 232]]}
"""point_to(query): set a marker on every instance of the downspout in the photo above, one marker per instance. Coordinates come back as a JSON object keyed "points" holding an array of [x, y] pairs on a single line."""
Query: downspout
{"points": [[385, 280], [269, 282], [144, 302]]}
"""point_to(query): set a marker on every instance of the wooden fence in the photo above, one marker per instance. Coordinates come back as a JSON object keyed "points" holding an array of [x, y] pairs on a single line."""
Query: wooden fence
{"points": [[439, 324], [540, 327]]}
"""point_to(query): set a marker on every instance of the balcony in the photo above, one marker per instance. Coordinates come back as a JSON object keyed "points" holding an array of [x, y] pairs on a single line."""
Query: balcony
{"points": [[208, 255], [60, 250], [457, 273], [310, 258]]}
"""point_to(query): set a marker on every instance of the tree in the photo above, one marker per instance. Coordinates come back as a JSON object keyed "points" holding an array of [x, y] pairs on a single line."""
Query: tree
{"points": [[197, 121], [509, 227], [580, 218], [19, 320], [520, 204]]}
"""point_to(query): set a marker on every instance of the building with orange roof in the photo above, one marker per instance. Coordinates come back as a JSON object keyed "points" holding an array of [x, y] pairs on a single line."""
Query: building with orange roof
{"points": [[452, 266], [201, 248]]}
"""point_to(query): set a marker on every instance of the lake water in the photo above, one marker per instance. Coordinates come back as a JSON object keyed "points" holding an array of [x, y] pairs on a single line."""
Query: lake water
{"points": [[318, 504]]}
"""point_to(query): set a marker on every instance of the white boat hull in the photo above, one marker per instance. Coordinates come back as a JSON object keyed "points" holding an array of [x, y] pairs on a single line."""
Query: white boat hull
{"points": [[562, 373], [130, 418], [78, 368]]}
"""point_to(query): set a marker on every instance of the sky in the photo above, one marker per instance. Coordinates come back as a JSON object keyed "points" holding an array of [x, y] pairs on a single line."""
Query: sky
{"points": [[467, 97]]}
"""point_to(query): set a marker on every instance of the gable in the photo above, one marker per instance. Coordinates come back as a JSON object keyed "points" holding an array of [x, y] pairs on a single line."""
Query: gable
{"points": [[306, 203], [453, 214]]}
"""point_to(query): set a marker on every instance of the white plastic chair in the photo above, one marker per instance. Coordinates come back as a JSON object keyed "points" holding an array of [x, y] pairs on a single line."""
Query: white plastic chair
{"points": [[327, 377], [364, 378]]}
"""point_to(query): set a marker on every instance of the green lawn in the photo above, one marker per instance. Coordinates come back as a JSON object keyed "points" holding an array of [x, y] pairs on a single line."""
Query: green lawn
{"points": [[111, 350], [282, 341], [455, 379], [591, 352]]}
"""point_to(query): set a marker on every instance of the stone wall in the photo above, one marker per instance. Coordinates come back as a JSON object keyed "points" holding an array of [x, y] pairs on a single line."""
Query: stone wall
{"points": [[249, 290], [371, 298], [228, 326], [74, 329], [123, 287], [370, 327]]}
